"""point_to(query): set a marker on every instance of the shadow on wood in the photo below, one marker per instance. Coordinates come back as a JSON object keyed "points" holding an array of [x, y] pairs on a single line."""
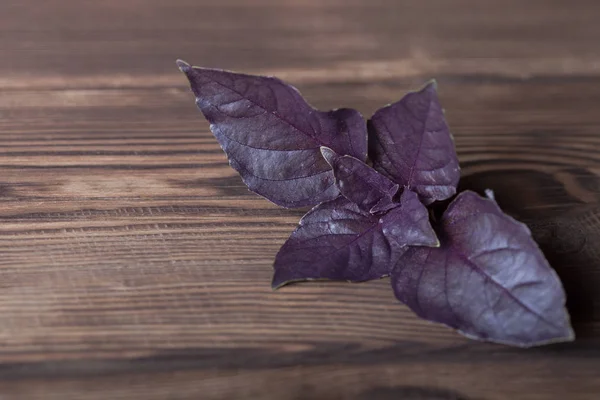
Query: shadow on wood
{"points": [[411, 393]]}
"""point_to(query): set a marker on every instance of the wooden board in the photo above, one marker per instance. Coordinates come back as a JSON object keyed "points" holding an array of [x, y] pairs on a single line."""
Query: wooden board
{"points": [[135, 264]]}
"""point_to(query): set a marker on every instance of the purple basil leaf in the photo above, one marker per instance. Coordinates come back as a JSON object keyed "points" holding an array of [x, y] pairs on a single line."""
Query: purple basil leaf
{"points": [[409, 142], [272, 137], [360, 183], [488, 279], [337, 240]]}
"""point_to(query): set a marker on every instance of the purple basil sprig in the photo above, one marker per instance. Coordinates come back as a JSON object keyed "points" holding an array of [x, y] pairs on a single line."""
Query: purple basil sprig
{"points": [[476, 269]]}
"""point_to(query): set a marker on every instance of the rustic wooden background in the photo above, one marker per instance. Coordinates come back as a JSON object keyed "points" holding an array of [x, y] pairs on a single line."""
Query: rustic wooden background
{"points": [[135, 264]]}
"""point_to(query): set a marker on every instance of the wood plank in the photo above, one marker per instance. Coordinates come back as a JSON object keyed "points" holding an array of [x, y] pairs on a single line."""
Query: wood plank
{"points": [[135, 264]]}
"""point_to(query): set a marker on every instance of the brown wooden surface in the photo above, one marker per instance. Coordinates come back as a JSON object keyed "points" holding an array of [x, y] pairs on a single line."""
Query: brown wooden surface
{"points": [[135, 264]]}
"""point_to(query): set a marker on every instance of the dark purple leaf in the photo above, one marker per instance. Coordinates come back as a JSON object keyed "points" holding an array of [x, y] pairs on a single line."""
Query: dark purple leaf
{"points": [[360, 183], [272, 137], [488, 279], [337, 240], [409, 142]]}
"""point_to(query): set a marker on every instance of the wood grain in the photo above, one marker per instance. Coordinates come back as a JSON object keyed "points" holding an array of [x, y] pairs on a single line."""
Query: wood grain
{"points": [[135, 264]]}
